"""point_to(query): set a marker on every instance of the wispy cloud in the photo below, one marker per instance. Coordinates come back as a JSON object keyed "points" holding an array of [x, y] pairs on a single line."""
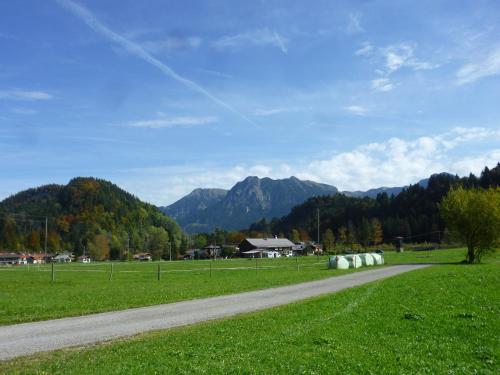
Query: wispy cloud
{"points": [[215, 73], [392, 58], [400, 55], [259, 37], [24, 111], [366, 49], [275, 111], [172, 43], [354, 24], [357, 110], [24, 95], [164, 122], [137, 50], [481, 68], [396, 56], [382, 84]]}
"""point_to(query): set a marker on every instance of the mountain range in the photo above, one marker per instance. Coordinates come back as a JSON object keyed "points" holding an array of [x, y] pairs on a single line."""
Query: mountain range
{"points": [[246, 202], [253, 199]]}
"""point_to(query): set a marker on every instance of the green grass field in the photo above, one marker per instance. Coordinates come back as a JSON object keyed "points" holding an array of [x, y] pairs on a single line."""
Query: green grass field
{"points": [[27, 293], [438, 320]]}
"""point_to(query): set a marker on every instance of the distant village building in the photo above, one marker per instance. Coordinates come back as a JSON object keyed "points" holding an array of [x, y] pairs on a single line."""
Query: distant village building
{"points": [[143, 257], [83, 259], [62, 258], [210, 251], [266, 247], [39, 258], [13, 259]]}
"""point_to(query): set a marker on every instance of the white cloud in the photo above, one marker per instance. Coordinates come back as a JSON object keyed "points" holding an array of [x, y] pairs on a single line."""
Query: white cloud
{"points": [[24, 95], [481, 68], [173, 122], [394, 162], [172, 43], [357, 110], [354, 24], [382, 84], [365, 50], [397, 162], [259, 37]]}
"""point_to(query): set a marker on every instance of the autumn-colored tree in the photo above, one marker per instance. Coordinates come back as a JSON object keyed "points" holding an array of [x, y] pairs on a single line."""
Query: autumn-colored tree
{"points": [[342, 235], [235, 238], [377, 232], [304, 236], [33, 242], [99, 247]]}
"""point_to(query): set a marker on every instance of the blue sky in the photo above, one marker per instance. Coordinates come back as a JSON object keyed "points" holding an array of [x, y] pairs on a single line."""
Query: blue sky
{"points": [[162, 97]]}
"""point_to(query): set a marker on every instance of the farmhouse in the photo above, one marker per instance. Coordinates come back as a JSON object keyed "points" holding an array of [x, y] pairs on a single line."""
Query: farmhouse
{"points": [[266, 247]]}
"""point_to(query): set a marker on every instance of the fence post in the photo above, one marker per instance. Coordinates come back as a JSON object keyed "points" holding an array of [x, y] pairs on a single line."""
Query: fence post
{"points": [[255, 265], [53, 272], [159, 271], [210, 268], [111, 272], [297, 262]]}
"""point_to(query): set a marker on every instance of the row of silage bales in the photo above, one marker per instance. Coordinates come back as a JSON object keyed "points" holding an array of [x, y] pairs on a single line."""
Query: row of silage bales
{"points": [[344, 262], [354, 260], [367, 259], [338, 262], [377, 259]]}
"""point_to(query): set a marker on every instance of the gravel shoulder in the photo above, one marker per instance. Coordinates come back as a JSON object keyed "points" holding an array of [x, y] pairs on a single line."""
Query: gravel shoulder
{"points": [[24, 339]]}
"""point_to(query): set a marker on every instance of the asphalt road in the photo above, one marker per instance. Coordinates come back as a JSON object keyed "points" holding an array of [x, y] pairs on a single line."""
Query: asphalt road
{"points": [[23, 339]]}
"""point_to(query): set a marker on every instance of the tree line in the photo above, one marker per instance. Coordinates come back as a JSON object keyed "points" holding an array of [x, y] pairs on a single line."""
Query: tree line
{"points": [[413, 214]]}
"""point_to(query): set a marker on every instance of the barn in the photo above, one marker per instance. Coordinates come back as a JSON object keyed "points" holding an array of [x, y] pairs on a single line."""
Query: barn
{"points": [[281, 246]]}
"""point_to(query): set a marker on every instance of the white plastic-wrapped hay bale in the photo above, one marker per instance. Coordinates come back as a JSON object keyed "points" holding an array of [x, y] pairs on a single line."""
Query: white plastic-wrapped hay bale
{"points": [[354, 261], [367, 259], [378, 259], [338, 262]]}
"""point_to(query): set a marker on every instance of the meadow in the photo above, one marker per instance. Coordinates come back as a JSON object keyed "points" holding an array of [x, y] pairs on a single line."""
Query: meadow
{"points": [[442, 319], [28, 293]]}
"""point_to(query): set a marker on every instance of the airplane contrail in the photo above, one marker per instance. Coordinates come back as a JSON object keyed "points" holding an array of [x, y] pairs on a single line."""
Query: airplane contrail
{"points": [[86, 16]]}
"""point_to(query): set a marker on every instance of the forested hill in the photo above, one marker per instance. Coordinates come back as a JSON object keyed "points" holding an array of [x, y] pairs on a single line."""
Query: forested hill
{"points": [[87, 213], [413, 214]]}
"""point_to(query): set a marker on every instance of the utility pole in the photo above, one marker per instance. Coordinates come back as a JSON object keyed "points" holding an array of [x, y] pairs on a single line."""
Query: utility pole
{"points": [[317, 211], [128, 247], [170, 250], [46, 234], [317, 252]]}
